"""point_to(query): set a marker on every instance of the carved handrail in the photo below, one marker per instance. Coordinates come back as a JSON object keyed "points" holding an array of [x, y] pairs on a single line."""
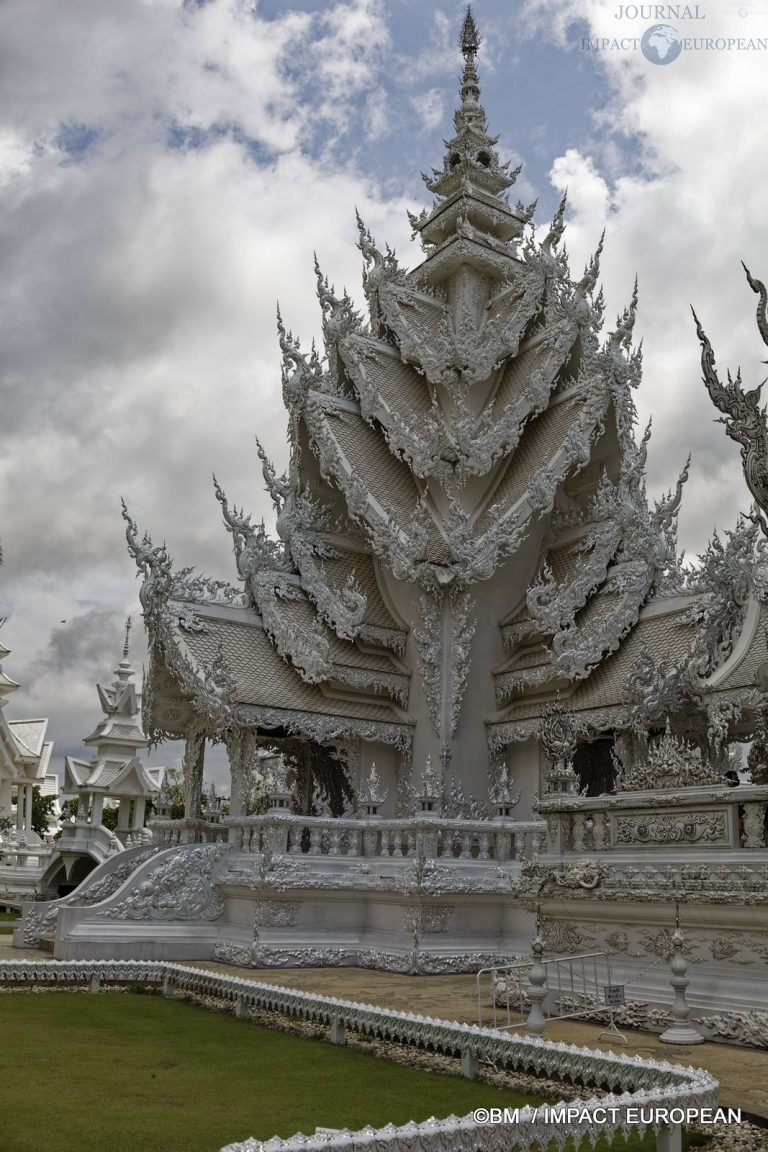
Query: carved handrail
{"points": [[730, 818], [673, 797], [411, 837], [167, 833], [429, 837]]}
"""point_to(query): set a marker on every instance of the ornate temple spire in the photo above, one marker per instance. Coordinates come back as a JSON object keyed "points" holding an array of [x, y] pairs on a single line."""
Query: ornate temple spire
{"points": [[471, 114], [121, 700], [473, 180], [469, 37]]}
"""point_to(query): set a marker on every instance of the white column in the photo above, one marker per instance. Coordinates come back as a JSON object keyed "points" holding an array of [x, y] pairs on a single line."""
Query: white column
{"points": [[28, 812], [237, 748], [6, 797], [193, 767], [97, 808], [20, 789], [138, 811], [669, 1138], [124, 814]]}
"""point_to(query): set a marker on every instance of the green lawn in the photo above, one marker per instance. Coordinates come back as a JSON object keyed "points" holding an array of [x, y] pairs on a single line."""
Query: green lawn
{"points": [[122, 1072]]}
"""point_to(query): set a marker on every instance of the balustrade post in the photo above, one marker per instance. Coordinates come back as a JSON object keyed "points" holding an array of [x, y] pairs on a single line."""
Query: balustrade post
{"points": [[95, 983], [577, 832], [470, 1065], [754, 834], [537, 987], [294, 847], [276, 837], [429, 840], [338, 1031], [682, 1031], [555, 832], [600, 832], [669, 1138]]}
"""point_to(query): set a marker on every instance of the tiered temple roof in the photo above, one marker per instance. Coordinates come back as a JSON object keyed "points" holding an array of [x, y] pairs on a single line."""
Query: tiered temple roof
{"points": [[116, 768], [24, 752], [464, 510]]}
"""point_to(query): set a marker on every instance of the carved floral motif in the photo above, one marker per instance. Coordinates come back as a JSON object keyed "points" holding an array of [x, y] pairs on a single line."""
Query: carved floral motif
{"points": [[689, 828], [180, 888]]}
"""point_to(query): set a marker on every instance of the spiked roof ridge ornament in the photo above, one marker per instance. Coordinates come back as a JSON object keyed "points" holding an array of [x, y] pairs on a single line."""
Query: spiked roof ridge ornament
{"points": [[127, 642], [744, 418]]}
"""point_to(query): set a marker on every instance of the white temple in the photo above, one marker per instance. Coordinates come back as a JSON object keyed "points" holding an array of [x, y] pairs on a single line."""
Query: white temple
{"points": [[487, 680], [24, 759], [115, 776]]}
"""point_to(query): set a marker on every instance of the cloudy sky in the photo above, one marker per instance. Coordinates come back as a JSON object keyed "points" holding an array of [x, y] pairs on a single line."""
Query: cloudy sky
{"points": [[167, 168]]}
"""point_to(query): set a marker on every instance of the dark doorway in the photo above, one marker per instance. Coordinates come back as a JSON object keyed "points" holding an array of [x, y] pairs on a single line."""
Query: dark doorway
{"points": [[593, 765]]}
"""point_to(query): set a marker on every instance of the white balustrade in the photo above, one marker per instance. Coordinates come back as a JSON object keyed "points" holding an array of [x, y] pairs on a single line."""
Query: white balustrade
{"points": [[372, 836]]}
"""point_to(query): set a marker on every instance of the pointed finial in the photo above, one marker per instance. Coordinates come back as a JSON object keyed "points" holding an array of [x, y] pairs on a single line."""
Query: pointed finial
{"points": [[127, 643], [469, 38]]}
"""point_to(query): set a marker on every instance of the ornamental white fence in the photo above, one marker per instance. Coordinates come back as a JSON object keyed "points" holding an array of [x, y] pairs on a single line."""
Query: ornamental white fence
{"points": [[659, 1094], [430, 838]]}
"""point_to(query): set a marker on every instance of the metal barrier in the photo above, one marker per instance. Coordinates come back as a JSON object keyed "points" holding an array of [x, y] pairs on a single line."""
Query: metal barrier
{"points": [[574, 987]]}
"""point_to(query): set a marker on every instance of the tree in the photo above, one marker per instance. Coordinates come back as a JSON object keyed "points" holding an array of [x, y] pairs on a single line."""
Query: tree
{"points": [[109, 815], [42, 808], [172, 795]]}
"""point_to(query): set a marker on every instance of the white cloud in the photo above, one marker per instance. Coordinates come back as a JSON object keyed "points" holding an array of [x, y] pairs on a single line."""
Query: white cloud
{"points": [[138, 288], [682, 223], [428, 106]]}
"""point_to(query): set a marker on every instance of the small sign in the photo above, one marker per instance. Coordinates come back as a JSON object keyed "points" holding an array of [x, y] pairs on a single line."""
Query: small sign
{"points": [[614, 995]]}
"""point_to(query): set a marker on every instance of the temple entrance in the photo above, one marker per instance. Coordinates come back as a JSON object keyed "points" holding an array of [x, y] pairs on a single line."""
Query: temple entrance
{"points": [[594, 767]]}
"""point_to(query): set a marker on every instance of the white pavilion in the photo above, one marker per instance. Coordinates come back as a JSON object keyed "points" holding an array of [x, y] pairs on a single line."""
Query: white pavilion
{"points": [[115, 776], [25, 756]]}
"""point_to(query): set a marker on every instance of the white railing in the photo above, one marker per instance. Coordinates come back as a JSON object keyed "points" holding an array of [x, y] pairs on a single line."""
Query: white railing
{"points": [[39, 917], [592, 824], [671, 1090], [94, 839], [429, 837], [169, 833]]}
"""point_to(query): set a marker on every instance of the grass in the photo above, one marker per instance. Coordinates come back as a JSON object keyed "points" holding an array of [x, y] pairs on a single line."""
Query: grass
{"points": [[121, 1072], [8, 922]]}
